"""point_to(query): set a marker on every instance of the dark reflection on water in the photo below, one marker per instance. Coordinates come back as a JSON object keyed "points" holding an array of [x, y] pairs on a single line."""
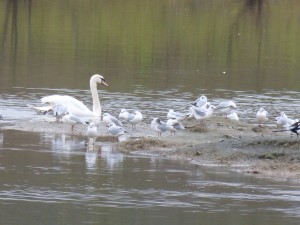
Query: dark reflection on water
{"points": [[55, 179], [232, 44]]}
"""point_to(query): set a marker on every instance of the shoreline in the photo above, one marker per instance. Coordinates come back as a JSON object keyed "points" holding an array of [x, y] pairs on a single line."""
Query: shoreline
{"points": [[236, 145]]}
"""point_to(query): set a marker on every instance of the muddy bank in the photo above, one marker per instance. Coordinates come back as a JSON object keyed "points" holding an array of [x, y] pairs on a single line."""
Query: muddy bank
{"points": [[221, 142]]}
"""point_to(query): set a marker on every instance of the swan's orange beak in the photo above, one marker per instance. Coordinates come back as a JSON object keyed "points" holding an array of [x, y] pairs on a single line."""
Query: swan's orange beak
{"points": [[104, 83]]}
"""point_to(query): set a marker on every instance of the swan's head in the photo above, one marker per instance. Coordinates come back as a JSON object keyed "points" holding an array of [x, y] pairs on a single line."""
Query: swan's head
{"points": [[97, 78]]}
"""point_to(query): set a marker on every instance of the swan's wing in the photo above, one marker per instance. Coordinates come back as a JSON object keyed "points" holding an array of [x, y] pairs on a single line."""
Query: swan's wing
{"points": [[74, 106]]}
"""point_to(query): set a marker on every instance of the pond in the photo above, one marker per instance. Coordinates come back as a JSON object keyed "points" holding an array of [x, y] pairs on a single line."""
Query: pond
{"points": [[155, 55], [55, 179]]}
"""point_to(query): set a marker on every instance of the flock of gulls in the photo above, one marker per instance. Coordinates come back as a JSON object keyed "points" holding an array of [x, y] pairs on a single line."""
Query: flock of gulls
{"points": [[67, 109]]}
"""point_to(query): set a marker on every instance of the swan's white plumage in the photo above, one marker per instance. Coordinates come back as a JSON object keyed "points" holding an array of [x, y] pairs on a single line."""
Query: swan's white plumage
{"points": [[75, 106]]}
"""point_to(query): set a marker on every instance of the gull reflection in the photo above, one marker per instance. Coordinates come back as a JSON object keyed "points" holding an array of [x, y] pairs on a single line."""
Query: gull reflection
{"points": [[1, 139], [113, 159], [91, 156], [62, 143]]}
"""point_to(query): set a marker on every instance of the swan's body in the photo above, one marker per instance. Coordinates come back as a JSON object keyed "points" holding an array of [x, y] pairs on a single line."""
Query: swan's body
{"points": [[75, 106]]}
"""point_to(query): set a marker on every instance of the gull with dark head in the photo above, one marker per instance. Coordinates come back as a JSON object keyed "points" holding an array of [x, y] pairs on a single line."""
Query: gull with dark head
{"points": [[59, 111], [202, 100], [159, 126], [202, 113], [174, 126]]}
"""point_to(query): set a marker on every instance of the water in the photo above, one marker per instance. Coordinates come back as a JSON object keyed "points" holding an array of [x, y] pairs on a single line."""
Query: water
{"points": [[155, 55], [54, 179]]}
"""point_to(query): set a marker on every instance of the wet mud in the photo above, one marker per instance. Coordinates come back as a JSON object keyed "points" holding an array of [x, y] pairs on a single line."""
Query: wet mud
{"points": [[218, 141]]}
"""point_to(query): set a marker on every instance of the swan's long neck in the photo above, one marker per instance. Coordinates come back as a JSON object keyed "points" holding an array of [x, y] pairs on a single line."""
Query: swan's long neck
{"points": [[95, 97]]}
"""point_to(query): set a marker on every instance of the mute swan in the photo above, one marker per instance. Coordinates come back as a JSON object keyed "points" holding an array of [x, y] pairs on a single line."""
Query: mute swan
{"points": [[75, 106]]}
